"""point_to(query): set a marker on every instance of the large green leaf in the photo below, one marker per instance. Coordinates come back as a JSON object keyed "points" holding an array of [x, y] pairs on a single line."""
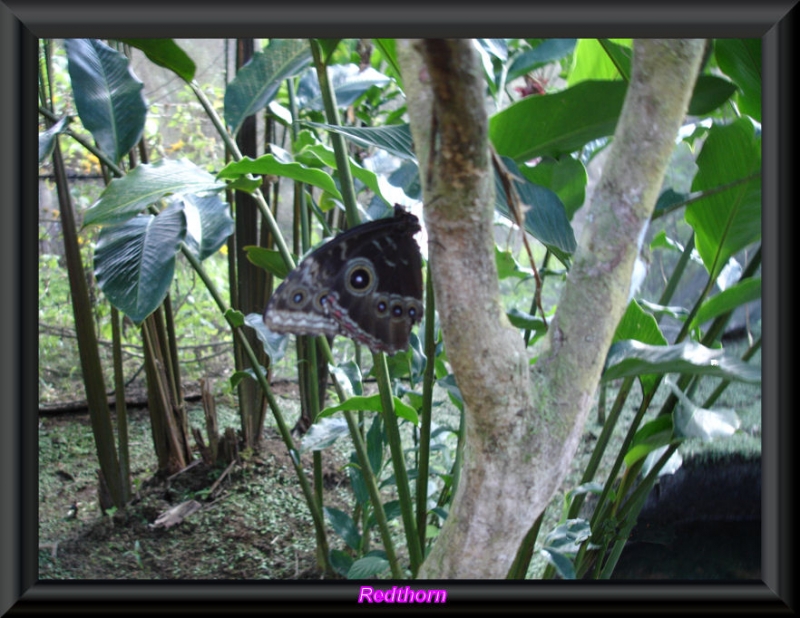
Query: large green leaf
{"points": [[545, 217], [728, 220], [269, 165], [108, 95], [633, 358], [394, 139], [125, 197], [134, 262], [740, 59], [559, 123], [166, 53], [257, 82], [564, 122]]}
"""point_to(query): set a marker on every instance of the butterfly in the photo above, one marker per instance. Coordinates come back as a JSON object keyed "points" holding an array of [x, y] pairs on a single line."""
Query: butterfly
{"points": [[365, 284]]}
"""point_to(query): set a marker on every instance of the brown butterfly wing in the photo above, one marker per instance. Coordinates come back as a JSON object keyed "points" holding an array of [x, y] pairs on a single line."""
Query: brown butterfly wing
{"points": [[365, 284]]}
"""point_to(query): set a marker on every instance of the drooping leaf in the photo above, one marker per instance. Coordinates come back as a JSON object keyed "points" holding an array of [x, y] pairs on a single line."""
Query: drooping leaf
{"points": [[166, 53], [274, 343], [710, 92], [258, 81], [134, 262], [125, 197], [108, 95], [696, 422], [633, 358]]}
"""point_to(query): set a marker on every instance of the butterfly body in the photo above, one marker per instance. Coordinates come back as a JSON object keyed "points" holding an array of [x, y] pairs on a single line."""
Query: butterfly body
{"points": [[365, 284]]}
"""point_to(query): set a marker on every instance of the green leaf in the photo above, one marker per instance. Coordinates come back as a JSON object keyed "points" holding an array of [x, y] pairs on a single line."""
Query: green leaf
{"points": [[372, 404], [270, 260], [559, 123], [327, 46], [323, 434], [166, 53], [357, 482], [565, 175], [633, 358], [343, 525], [507, 266], [639, 325], [652, 436], [134, 262], [274, 343], [125, 197], [369, 566], [375, 440], [520, 319], [47, 138], [258, 81], [728, 300], [544, 53], [269, 165], [696, 422], [710, 92], [727, 221], [545, 217], [391, 509], [349, 83], [208, 224], [601, 59], [108, 95], [320, 154], [394, 139], [341, 561], [562, 563], [740, 59]]}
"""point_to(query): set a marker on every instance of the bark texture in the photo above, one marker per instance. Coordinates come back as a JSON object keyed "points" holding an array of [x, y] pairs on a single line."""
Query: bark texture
{"points": [[522, 427]]}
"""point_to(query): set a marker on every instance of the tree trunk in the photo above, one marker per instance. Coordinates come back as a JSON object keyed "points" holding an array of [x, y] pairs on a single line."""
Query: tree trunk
{"points": [[523, 427]]}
